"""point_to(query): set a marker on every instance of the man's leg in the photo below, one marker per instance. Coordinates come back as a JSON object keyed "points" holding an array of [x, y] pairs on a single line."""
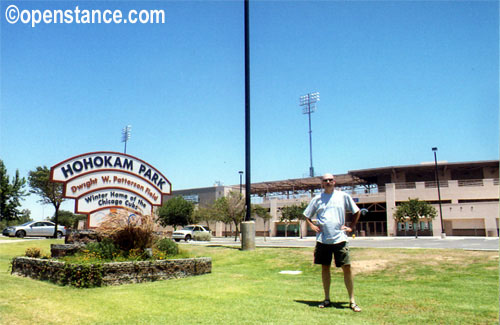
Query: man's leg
{"points": [[349, 284], [326, 277], [323, 257]]}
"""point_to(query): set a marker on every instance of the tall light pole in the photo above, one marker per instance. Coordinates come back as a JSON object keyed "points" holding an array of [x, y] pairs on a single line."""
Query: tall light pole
{"points": [[248, 226], [126, 136], [309, 103], [248, 181], [443, 234], [241, 174]]}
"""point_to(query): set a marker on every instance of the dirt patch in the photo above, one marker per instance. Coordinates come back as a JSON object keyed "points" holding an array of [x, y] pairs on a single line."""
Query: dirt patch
{"points": [[369, 260], [369, 266], [493, 257]]}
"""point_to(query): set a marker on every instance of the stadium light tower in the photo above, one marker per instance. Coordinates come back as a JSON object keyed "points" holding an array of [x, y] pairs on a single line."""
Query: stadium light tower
{"points": [[126, 136], [309, 103]]}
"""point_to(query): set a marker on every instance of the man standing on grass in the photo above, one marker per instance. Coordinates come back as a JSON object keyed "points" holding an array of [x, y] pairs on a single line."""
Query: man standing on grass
{"points": [[331, 238]]}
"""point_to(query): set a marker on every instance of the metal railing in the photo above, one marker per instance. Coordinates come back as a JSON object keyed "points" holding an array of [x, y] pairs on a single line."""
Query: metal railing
{"points": [[470, 182], [361, 191], [405, 186], [433, 184]]}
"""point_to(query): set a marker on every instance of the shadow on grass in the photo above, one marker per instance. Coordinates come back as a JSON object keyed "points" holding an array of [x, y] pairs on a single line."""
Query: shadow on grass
{"points": [[224, 246], [338, 305]]}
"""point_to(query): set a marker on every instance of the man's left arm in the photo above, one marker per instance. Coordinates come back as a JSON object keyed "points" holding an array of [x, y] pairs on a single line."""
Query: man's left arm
{"points": [[351, 205], [355, 220], [353, 223]]}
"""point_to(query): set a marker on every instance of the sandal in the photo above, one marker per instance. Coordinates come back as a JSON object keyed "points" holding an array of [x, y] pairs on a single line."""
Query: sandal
{"points": [[355, 308], [325, 304]]}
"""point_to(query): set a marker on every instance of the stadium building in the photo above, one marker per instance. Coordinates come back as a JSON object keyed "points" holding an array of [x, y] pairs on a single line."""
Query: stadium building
{"points": [[469, 199]]}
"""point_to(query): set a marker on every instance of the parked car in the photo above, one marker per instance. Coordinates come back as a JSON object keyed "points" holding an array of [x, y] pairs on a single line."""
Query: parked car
{"points": [[35, 229], [187, 232]]}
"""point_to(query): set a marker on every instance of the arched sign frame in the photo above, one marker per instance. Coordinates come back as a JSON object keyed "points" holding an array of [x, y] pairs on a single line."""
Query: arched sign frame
{"points": [[142, 182]]}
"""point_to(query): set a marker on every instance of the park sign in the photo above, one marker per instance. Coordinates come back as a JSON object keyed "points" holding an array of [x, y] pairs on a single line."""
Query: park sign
{"points": [[112, 198], [109, 180]]}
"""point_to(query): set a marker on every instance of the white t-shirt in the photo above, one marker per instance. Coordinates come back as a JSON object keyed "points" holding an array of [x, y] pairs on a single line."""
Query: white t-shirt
{"points": [[330, 212]]}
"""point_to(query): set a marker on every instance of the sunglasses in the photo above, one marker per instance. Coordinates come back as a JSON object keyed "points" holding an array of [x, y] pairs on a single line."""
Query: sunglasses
{"points": [[328, 180]]}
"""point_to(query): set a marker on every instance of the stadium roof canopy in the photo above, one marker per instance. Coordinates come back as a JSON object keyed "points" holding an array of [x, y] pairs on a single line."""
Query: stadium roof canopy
{"points": [[425, 167], [359, 177], [300, 184]]}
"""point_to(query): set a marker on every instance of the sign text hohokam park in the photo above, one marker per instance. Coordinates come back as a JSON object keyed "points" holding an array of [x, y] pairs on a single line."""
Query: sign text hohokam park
{"points": [[110, 180]]}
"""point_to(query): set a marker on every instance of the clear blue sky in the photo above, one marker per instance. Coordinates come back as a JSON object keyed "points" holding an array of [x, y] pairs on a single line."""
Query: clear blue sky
{"points": [[396, 78]]}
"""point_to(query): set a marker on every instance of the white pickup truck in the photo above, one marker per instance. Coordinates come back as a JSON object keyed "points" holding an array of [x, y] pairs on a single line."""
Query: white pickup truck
{"points": [[187, 232]]}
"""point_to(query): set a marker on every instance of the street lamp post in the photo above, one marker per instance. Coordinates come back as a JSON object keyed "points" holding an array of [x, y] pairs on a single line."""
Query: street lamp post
{"points": [[309, 103], [126, 136], [443, 233], [241, 175]]}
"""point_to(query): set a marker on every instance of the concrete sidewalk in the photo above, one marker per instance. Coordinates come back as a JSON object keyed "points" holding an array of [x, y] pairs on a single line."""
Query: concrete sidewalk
{"points": [[466, 243], [18, 240]]}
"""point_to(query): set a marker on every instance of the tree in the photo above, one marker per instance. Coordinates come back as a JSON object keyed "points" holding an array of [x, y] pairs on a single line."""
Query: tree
{"points": [[49, 192], [69, 219], [204, 213], [11, 194], [221, 209], [175, 212], [301, 217], [231, 209], [413, 210], [291, 213], [262, 212], [25, 216]]}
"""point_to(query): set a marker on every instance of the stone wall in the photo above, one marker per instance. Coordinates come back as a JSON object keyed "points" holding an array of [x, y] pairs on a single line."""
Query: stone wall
{"points": [[37, 268], [116, 273]]}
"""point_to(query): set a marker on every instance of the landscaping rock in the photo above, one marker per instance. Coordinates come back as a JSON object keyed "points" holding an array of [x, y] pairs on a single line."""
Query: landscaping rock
{"points": [[82, 237], [60, 250]]}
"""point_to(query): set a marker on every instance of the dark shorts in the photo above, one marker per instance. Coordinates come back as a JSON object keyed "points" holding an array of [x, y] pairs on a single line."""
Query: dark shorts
{"points": [[323, 254]]}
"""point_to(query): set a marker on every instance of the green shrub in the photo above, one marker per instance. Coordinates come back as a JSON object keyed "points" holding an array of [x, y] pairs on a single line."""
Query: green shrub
{"points": [[159, 255], [104, 249], [202, 236], [33, 252], [167, 246], [82, 276], [137, 254]]}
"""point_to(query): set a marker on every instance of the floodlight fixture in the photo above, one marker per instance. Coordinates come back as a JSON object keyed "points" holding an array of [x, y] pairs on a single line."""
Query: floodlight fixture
{"points": [[309, 102], [309, 106]]}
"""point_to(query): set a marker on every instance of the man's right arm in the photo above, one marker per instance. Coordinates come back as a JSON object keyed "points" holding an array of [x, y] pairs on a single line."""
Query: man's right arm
{"points": [[315, 228], [309, 212]]}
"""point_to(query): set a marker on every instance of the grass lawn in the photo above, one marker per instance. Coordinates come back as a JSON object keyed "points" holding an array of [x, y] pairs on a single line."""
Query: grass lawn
{"points": [[9, 238], [393, 286]]}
